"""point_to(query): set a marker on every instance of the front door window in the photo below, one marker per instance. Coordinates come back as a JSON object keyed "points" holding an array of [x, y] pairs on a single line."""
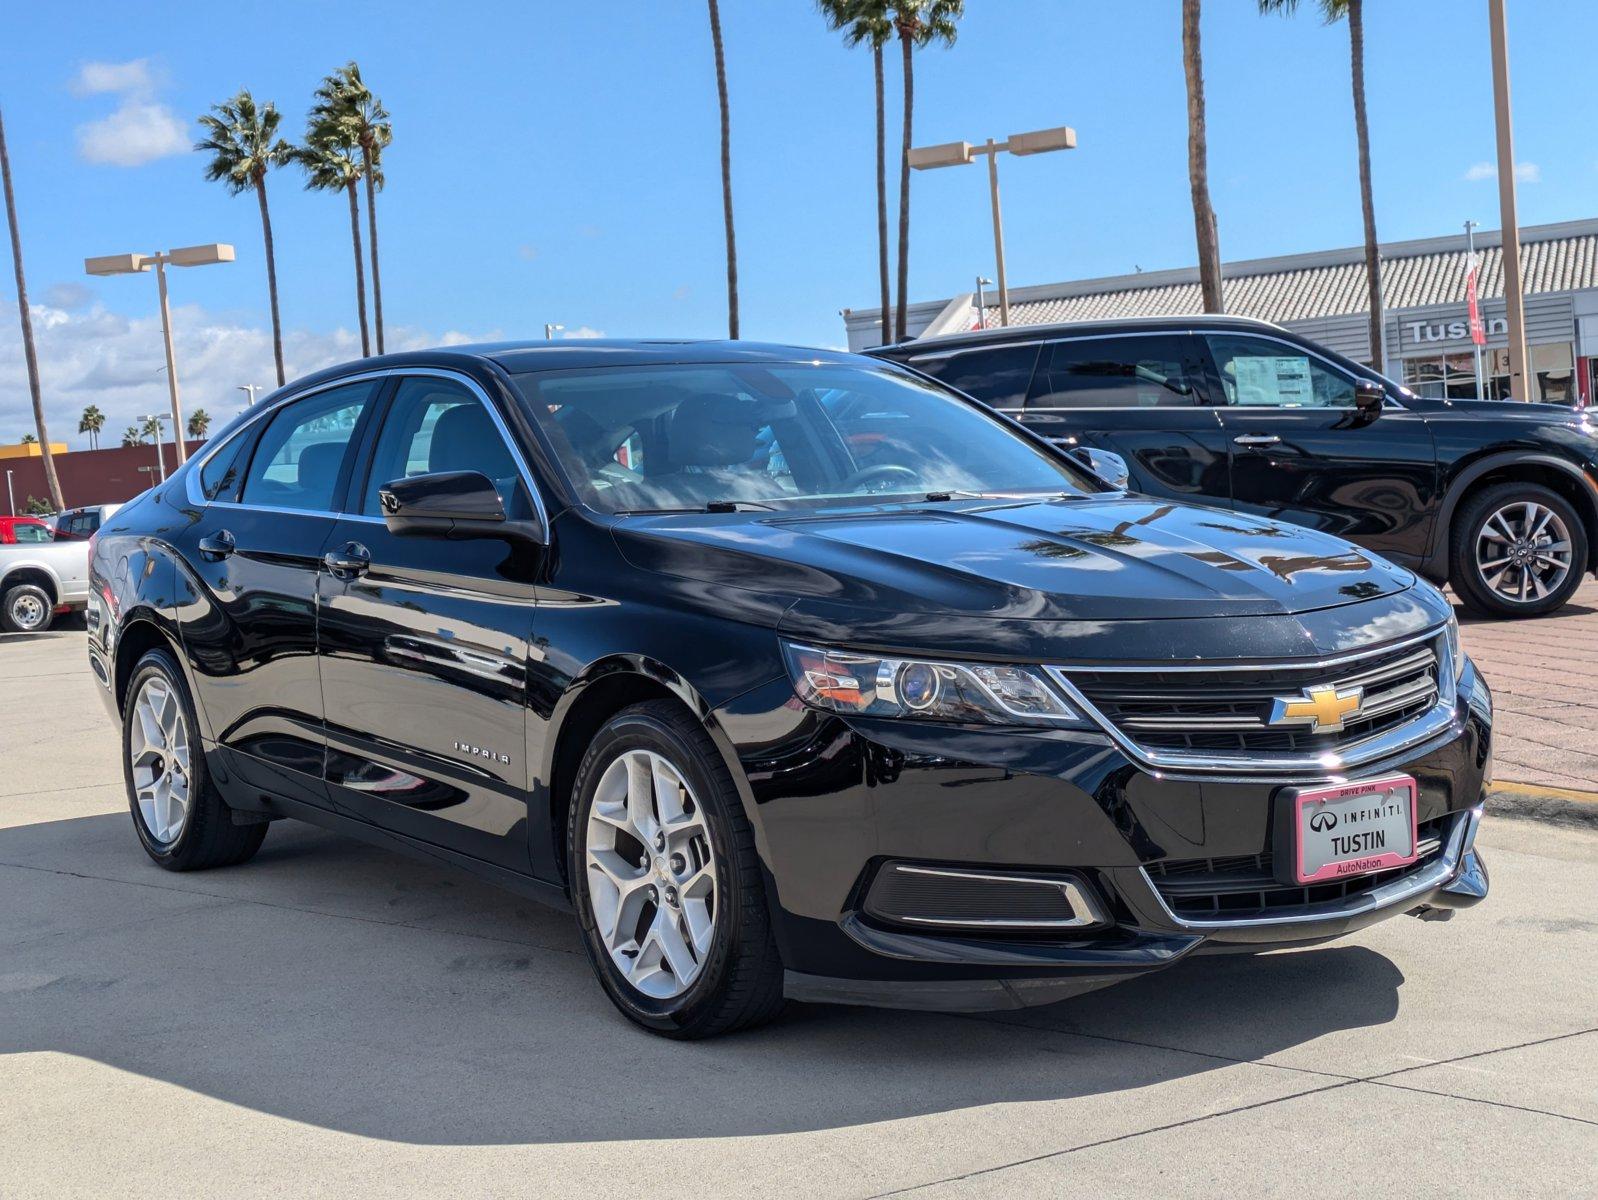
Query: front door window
{"points": [[1260, 373]]}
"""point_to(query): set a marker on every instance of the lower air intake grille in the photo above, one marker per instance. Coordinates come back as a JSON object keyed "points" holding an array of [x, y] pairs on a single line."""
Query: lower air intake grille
{"points": [[951, 897]]}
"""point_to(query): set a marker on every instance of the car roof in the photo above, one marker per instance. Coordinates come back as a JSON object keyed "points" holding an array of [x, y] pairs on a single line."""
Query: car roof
{"points": [[585, 353], [1040, 333]]}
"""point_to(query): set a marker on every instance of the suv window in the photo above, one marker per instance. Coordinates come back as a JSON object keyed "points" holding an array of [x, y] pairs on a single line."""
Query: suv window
{"points": [[1117, 372], [1261, 373], [30, 533], [999, 376], [440, 425], [297, 461]]}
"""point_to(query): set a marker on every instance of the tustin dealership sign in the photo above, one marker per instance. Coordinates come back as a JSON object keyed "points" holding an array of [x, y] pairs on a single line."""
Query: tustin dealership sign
{"points": [[1451, 331]]}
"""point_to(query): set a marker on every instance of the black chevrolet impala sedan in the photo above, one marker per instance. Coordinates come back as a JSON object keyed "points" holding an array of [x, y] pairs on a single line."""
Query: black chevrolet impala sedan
{"points": [[792, 673]]}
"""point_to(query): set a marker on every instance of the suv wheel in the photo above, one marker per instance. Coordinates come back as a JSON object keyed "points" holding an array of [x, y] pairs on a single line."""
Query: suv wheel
{"points": [[182, 822], [26, 608], [1519, 551], [666, 881]]}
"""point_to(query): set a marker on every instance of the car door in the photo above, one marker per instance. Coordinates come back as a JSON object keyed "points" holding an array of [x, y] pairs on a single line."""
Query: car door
{"points": [[1142, 396], [424, 640], [1302, 452], [265, 509]]}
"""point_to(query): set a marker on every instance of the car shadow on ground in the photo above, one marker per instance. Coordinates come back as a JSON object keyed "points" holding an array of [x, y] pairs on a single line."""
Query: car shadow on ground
{"points": [[336, 984]]}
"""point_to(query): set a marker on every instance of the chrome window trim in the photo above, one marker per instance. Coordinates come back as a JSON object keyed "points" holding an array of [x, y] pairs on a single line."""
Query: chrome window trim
{"points": [[1085, 909], [1330, 764], [197, 463], [1399, 891]]}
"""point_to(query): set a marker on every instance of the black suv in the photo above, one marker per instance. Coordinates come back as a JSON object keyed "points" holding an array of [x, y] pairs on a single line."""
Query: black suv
{"points": [[792, 673], [1500, 500]]}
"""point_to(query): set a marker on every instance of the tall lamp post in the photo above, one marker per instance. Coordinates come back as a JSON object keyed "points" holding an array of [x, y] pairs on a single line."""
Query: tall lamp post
{"points": [[160, 458], [959, 154], [1508, 221], [11, 496], [134, 264], [550, 331], [249, 389]]}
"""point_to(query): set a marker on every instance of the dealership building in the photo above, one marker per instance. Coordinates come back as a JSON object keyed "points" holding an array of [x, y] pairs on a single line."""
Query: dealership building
{"points": [[1323, 295]]}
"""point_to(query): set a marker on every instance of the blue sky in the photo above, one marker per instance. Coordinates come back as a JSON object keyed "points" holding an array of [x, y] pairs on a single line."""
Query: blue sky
{"points": [[560, 163]]}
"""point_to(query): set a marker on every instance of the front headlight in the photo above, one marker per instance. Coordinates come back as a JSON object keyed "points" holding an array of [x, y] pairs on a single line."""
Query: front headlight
{"points": [[875, 685], [1456, 651]]}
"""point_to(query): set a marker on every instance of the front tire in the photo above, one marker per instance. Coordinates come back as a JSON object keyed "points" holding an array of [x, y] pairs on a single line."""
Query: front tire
{"points": [[666, 881], [182, 822], [1519, 550], [26, 608]]}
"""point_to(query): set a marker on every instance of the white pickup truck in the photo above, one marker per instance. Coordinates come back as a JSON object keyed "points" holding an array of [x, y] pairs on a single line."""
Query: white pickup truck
{"points": [[39, 579]]}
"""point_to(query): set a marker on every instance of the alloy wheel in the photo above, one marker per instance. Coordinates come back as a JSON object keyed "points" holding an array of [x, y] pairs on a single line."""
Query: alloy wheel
{"points": [[28, 611], [1523, 552], [651, 874], [158, 747]]}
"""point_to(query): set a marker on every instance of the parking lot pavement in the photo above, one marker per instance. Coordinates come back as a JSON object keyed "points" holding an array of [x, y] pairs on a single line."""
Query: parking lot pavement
{"points": [[1543, 674], [332, 1019]]}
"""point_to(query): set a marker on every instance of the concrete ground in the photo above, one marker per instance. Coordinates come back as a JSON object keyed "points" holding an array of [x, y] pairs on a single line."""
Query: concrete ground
{"points": [[1543, 674], [336, 1020]]}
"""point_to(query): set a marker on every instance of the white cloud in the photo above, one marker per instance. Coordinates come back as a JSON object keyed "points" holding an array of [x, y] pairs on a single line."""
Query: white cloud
{"points": [[92, 356], [1525, 172], [127, 77], [527, 252], [140, 129], [584, 331]]}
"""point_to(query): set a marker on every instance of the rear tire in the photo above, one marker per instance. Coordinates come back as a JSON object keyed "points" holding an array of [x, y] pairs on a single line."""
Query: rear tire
{"points": [[1518, 550], [26, 608], [680, 898], [182, 822]]}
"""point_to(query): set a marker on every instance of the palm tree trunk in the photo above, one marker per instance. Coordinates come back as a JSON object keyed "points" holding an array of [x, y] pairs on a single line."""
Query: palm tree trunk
{"points": [[726, 172], [904, 184], [882, 196], [360, 268], [271, 278], [1198, 170], [1367, 201], [30, 356], [371, 229]]}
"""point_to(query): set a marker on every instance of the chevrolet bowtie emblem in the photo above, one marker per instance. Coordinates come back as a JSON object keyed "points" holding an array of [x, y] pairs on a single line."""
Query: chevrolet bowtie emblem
{"points": [[1323, 709]]}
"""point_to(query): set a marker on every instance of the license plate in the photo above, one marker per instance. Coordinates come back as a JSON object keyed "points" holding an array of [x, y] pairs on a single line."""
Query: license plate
{"points": [[1353, 829]]}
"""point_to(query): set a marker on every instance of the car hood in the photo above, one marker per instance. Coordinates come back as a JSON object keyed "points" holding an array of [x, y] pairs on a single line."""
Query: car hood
{"points": [[1090, 559]]}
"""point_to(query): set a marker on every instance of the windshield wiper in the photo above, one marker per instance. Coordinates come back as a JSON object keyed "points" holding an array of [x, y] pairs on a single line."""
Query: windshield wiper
{"points": [[956, 494]]}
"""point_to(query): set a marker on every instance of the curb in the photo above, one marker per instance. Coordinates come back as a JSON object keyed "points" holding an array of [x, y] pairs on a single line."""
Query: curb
{"points": [[1530, 801]]}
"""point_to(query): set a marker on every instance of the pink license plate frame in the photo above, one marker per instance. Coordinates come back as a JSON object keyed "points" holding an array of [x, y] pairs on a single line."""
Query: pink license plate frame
{"points": [[1339, 795]]}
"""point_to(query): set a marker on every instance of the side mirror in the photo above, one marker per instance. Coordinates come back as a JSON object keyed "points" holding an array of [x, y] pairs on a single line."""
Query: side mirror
{"points": [[1106, 464], [1369, 396], [441, 504]]}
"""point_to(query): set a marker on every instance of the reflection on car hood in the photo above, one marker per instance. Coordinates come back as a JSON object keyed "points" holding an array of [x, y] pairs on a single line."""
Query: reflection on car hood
{"points": [[1062, 560]]}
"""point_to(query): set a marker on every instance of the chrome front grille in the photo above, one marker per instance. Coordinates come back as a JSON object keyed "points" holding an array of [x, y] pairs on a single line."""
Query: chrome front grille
{"points": [[1223, 715]]}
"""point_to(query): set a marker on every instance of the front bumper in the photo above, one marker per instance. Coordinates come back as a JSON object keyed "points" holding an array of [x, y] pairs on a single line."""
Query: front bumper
{"points": [[834, 801]]}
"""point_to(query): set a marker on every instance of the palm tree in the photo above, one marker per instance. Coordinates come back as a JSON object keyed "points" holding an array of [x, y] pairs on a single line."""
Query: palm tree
{"points": [[241, 138], [328, 157], [1198, 167], [869, 21], [726, 171], [92, 421], [151, 429], [132, 437], [918, 23], [346, 105], [1332, 11], [30, 439], [29, 355], [199, 422]]}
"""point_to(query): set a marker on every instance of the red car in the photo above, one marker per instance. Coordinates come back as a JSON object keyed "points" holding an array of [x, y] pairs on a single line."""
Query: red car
{"points": [[24, 530]]}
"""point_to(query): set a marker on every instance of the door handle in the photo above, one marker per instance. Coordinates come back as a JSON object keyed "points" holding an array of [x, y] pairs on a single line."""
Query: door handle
{"points": [[216, 546], [352, 560], [1256, 439]]}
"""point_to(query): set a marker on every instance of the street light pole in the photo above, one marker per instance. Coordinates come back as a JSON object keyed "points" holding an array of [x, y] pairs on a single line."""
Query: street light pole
{"points": [[1508, 222], [982, 303], [549, 331], [956, 154], [249, 389], [11, 497], [160, 458], [134, 264]]}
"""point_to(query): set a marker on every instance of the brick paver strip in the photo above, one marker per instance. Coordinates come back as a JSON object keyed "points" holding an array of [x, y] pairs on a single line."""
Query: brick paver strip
{"points": [[1540, 670]]}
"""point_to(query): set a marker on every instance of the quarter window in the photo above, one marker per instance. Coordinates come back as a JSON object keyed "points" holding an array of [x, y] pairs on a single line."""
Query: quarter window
{"points": [[1117, 372], [219, 477], [297, 461], [999, 376], [1258, 373], [30, 533]]}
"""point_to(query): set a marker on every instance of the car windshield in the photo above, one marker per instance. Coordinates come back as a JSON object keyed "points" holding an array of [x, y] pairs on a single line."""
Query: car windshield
{"points": [[692, 436]]}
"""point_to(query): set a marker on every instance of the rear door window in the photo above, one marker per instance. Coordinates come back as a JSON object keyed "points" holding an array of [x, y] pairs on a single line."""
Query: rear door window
{"points": [[298, 461], [999, 375], [1154, 371]]}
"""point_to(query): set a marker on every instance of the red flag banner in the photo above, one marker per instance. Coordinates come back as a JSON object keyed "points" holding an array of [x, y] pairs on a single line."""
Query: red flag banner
{"points": [[1478, 331]]}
